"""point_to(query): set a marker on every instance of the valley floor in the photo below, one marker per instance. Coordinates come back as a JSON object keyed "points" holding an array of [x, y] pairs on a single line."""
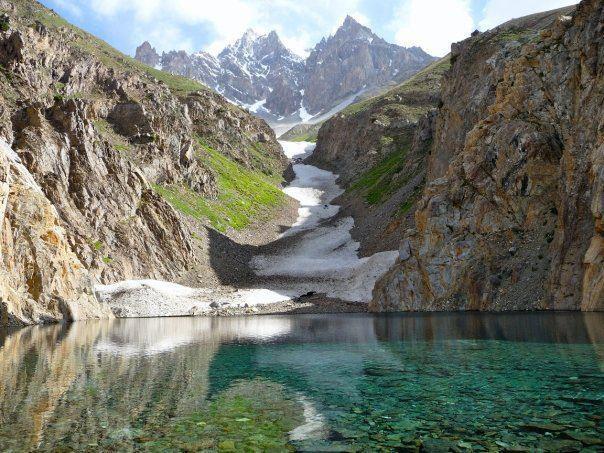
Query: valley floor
{"points": [[307, 265]]}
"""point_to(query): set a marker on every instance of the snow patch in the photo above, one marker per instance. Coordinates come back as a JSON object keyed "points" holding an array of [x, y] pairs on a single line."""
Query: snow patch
{"points": [[150, 298], [303, 113], [325, 255], [255, 106]]}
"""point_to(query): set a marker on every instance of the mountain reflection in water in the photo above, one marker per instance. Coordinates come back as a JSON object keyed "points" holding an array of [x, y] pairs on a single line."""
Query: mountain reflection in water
{"points": [[345, 381]]}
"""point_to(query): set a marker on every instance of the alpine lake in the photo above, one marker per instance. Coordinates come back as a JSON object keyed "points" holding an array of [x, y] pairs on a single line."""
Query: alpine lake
{"points": [[354, 382]]}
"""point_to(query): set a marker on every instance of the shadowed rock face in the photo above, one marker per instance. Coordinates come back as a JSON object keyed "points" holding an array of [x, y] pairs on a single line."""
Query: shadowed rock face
{"points": [[511, 215], [379, 148], [84, 134], [260, 69]]}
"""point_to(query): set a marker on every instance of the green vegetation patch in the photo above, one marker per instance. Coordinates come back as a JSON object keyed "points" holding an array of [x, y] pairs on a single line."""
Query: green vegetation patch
{"points": [[384, 178], [303, 133], [243, 195], [115, 140], [515, 35], [263, 161], [308, 137], [406, 206], [251, 416], [4, 23]]}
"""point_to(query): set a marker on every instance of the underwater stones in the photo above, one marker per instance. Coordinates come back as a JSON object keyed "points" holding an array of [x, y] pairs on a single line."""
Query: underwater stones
{"points": [[560, 445], [543, 427]]}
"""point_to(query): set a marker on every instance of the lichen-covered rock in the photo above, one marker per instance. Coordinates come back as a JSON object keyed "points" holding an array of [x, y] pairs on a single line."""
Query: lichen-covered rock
{"points": [[511, 216]]}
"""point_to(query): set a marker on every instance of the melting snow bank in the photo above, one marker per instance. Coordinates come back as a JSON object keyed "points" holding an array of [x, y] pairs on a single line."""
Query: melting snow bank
{"points": [[327, 259], [324, 254], [150, 298], [322, 258]]}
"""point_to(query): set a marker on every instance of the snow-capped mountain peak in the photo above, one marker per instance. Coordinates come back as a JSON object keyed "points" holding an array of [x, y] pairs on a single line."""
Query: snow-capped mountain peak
{"points": [[260, 73]]}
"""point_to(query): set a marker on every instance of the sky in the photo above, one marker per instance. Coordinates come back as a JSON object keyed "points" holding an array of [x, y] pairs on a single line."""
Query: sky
{"points": [[210, 25]]}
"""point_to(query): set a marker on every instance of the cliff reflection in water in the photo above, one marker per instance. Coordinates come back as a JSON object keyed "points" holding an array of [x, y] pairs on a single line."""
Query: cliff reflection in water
{"points": [[81, 383]]}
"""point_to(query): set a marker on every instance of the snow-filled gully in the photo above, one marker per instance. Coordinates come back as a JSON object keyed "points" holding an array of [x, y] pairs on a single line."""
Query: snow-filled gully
{"points": [[321, 257]]}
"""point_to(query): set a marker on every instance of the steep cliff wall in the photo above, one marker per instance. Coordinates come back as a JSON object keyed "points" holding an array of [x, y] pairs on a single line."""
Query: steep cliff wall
{"points": [[88, 140], [379, 148], [511, 215]]}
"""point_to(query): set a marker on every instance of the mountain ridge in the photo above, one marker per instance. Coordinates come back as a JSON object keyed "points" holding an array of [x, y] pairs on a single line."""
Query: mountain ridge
{"points": [[261, 74]]}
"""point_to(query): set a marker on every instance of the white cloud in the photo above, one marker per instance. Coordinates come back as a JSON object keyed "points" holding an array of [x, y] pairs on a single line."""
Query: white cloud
{"points": [[432, 24], [496, 12], [169, 36], [298, 44], [161, 19], [325, 16]]}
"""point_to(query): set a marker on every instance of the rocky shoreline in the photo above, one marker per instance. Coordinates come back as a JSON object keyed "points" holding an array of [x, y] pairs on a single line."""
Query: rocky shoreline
{"points": [[302, 305]]}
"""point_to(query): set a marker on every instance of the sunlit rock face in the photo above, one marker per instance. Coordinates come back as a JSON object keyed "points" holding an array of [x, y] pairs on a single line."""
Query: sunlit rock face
{"points": [[85, 137], [511, 215], [41, 279]]}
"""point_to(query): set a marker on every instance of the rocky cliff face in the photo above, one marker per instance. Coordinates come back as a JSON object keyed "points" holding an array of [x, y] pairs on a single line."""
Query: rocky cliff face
{"points": [[85, 136], [511, 215], [260, 73], [379, 147]]}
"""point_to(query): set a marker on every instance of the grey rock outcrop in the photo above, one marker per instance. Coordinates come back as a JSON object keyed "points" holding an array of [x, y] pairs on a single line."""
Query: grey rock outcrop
{"points": [[147, 54]]}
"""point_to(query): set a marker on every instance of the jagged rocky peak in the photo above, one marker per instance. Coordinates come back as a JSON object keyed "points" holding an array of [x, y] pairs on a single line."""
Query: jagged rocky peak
{"points": [[147, 54], [259, 72], [261, 49], [354, 60], [351, 28], [243, 44]]}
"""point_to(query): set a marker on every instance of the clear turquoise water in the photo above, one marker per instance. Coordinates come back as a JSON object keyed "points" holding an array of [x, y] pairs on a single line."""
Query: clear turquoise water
{"points": [[442, 382]]}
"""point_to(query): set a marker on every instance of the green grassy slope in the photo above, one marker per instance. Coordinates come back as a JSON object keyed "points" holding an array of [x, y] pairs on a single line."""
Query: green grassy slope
{"points": [[244, 195]]}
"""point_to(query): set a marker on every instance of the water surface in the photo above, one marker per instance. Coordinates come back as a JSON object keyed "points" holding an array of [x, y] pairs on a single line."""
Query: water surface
{"points": [[308, 382]]}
